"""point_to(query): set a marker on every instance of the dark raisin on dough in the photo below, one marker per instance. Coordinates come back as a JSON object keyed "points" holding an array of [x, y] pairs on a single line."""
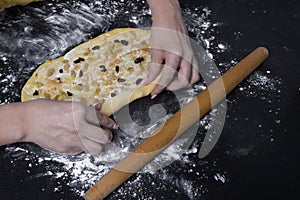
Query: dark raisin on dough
{"points": [[138, 81], [79, 60], [59, 80], [117, 69], [116, 41], [69, 93], [112, 94], [139, 60], [96, 48], [61, 70], [124, 42], [120, 80], [80, 73], [103, 68], [36, 93]]}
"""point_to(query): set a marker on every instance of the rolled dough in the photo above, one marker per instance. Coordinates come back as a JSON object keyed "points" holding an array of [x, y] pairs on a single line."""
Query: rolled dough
{"points": [[9, 3], [106, 69]]}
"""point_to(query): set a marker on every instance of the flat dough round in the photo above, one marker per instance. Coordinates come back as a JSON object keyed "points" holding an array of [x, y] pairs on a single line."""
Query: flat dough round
{"points": [[9, 3], [106, 69]]}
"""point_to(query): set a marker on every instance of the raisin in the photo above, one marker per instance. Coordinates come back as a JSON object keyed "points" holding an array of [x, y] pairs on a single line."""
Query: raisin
{"points": [[59, 80], [117, 41], [36, 93], [96, 48], [50, 72], [79, 60], [124, 42], [69, 93], [120, 80], [103, 68], [61, 70], [87, 52], [138, 81], [139, 60], [80, 73], [117, 69], [112, 94]]}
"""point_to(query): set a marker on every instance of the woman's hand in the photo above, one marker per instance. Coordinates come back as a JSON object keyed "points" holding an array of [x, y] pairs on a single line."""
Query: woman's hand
{"points": [[170, 44], [66, 127]]}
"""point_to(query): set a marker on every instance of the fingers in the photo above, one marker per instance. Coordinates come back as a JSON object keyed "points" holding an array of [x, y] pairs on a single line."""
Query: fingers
{"points": [[183, 77], [188, 74], [168, 73], [93, 128], [90, 140], [90, 146], [172, 44], [95, 117], [105, 121], [95, 133], [78, 144], [93, 138], [195, 71], [195, 76], [69, 127], [155, 66]]}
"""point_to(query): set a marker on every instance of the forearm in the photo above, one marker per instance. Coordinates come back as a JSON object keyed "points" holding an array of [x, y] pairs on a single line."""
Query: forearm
{"points": [[11, 123], [164, 9]]}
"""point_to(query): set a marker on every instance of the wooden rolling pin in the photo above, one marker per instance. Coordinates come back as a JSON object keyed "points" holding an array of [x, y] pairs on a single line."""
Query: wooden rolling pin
{"points": [[176, 125]]}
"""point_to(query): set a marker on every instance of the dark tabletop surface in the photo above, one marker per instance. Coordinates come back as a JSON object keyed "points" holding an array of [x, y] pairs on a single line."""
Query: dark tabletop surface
{"points": [[258, 151]]}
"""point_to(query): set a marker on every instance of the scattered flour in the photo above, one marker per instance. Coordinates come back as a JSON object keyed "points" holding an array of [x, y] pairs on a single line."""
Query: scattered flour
{"points": [[70, 23]]}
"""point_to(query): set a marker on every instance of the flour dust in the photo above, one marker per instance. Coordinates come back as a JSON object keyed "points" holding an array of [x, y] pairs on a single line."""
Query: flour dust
{"points": [[53, 28]]}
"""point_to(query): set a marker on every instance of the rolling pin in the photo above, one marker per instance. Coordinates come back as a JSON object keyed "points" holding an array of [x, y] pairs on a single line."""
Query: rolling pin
{"points": [[176, 125]]}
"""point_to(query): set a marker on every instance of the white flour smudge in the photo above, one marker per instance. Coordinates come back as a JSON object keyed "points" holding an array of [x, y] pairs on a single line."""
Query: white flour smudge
{"points": [[68, 24]]}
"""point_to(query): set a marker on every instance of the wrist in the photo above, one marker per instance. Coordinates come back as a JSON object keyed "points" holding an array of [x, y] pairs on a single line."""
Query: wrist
{"points": [[164, 9], [20, 115], [12, 125]]}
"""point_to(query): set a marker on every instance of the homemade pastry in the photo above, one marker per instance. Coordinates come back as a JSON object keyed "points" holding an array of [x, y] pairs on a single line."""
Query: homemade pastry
{"points": [[9, 3], [106, 69]]}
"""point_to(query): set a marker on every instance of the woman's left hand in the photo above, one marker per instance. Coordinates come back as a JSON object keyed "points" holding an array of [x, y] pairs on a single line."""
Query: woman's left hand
{"points": [[170, 45]]}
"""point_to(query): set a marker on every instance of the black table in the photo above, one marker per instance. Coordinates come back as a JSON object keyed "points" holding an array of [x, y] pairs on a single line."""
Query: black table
{"points": [[256, 156]]}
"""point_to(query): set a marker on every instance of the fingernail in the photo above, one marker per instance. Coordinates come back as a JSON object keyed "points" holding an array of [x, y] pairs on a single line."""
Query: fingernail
{"points": [[115, 126], [97, 105], [153, 96], [143, 82]]}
